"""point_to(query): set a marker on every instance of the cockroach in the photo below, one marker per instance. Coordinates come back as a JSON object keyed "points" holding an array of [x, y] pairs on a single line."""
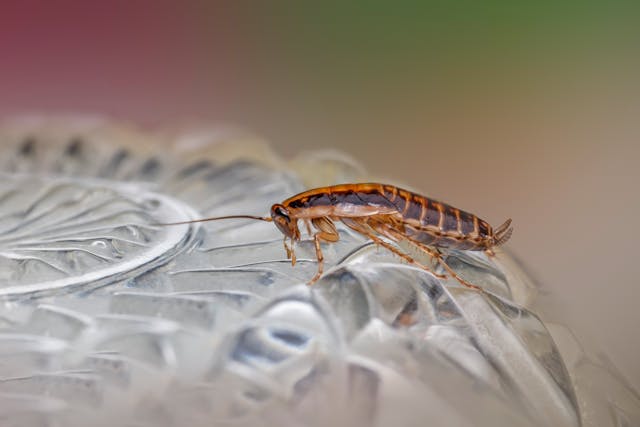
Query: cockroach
{"points": [[380, 211]]}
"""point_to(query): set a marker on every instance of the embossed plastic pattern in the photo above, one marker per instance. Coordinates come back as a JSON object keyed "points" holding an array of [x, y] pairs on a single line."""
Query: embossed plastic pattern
{"points": [[108, 319]]}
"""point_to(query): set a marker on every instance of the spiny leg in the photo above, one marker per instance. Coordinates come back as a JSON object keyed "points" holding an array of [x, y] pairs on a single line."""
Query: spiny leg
{"points": [[327, 237], [326, 232], [286, 248], [396, 236], [364, 229], [388, 231], [438, 256], [320, 259], [290, 252]]}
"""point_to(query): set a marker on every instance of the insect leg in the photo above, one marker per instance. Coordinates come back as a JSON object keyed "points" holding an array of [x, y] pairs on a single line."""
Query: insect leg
{"points": [[286, 248], [320, 258], [290, 252], [321, 236], [396, 236], [307, 223], [363, 228], [326, 232], [438, 256]]}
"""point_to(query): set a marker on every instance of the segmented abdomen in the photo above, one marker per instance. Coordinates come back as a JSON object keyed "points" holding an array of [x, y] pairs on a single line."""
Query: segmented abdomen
{"points": [[435, 223]]}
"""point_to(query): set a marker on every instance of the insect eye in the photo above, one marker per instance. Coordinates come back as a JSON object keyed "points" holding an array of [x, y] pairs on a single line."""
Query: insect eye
{"points": [[280, 213]]}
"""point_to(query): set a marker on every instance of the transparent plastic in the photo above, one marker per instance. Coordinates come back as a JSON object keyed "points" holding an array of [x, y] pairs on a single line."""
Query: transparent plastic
{"points": [[109, 319]]}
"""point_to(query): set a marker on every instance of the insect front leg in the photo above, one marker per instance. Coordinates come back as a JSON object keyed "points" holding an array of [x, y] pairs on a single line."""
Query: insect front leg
{"points": [[317, 238], [327, 233], [290, 252]]}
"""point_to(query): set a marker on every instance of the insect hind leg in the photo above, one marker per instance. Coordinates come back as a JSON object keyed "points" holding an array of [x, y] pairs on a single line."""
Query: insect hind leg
{"points": [[364, 228], [436, 254], [433, 254]]}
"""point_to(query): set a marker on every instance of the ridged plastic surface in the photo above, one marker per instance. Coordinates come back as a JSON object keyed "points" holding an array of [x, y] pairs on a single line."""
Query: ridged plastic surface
{"points": [[109, 319]]}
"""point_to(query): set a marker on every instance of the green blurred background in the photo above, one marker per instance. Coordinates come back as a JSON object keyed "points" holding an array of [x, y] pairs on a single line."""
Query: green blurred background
{"points": [[507, 109]]}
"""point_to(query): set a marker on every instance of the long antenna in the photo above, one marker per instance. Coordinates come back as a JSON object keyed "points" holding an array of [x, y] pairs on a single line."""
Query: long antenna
{"points": [[215, 218]]}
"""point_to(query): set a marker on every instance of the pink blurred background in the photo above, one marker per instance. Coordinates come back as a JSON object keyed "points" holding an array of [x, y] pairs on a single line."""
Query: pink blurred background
{"points": [[528, 112]]}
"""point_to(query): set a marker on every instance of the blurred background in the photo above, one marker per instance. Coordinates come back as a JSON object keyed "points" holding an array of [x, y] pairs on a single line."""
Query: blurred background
{"points": [[506, 109]]}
